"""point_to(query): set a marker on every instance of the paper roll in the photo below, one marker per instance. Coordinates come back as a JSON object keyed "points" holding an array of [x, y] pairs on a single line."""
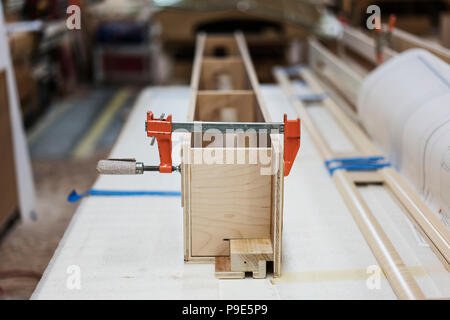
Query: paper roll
{"points": [[405, 107]]}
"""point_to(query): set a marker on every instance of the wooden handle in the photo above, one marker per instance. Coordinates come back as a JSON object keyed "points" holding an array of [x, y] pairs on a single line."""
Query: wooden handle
{"points": [[117, 166]]}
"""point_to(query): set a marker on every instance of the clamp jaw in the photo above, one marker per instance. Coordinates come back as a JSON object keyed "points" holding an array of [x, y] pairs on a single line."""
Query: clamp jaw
{"points": [[161, 129], [382, 37], [291, 142]]}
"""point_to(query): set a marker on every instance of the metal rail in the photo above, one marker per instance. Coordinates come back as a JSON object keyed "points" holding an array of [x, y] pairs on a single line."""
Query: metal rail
{"points": [[226, 127]]}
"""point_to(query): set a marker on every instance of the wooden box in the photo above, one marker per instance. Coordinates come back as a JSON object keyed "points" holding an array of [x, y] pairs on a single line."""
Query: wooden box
{"points": [[230, 193]]}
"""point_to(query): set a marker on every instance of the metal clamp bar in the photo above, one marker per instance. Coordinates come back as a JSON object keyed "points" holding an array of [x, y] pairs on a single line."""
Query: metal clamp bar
{"points": [[202, 126]]}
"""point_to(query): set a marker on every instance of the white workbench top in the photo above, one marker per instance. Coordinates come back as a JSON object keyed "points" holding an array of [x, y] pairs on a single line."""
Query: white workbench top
{"points": [[132, 247]]}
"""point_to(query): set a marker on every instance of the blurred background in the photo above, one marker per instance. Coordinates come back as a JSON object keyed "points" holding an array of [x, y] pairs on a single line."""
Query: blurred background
{"points": [[76, 81]]}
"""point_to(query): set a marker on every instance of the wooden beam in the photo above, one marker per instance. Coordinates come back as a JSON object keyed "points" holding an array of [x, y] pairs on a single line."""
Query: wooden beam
{"points": [[399, 277], [402, 40], [352, 130], [277, 159], [401, 280], [419, 212], [364, 45], [329, 66]]}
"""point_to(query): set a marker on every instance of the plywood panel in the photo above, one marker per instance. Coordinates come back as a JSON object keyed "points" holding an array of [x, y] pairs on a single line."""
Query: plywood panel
{"points": [[233, 67], [210, 105], [228, 202]]}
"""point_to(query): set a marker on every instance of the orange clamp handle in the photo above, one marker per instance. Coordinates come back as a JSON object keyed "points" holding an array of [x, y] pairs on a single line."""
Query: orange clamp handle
{"points": [[161, 129], [291, 142], [392, 21]]}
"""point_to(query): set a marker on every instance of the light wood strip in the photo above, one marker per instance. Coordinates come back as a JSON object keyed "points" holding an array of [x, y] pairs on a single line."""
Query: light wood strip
{"points": [[278, 180], [352, 130], [398, 275], [364, 45], [419, 212], [402, 40], [195, 78], [401, 280], [343, 77]]}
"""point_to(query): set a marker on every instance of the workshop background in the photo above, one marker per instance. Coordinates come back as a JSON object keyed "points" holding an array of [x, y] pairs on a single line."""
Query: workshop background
{"points": [[75, 88]]}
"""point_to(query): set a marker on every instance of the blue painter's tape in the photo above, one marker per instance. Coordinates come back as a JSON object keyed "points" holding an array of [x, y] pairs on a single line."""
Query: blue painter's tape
{"points": [[356, 164], [293, 70], [355, 160], [312, 97], [367, 167], [74, 196]]}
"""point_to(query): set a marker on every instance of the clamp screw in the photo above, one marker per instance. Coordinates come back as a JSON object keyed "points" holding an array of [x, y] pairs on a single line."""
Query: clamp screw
{"points": [[154, 138]]}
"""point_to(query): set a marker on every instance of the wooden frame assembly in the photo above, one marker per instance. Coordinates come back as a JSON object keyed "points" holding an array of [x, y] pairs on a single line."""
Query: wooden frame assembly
{"points": [[432, 229], [346, 75], [232, 209]]}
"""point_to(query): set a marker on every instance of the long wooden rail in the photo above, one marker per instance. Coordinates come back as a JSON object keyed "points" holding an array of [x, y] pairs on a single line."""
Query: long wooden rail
{"points": [[346, 79], [436, 234]]}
